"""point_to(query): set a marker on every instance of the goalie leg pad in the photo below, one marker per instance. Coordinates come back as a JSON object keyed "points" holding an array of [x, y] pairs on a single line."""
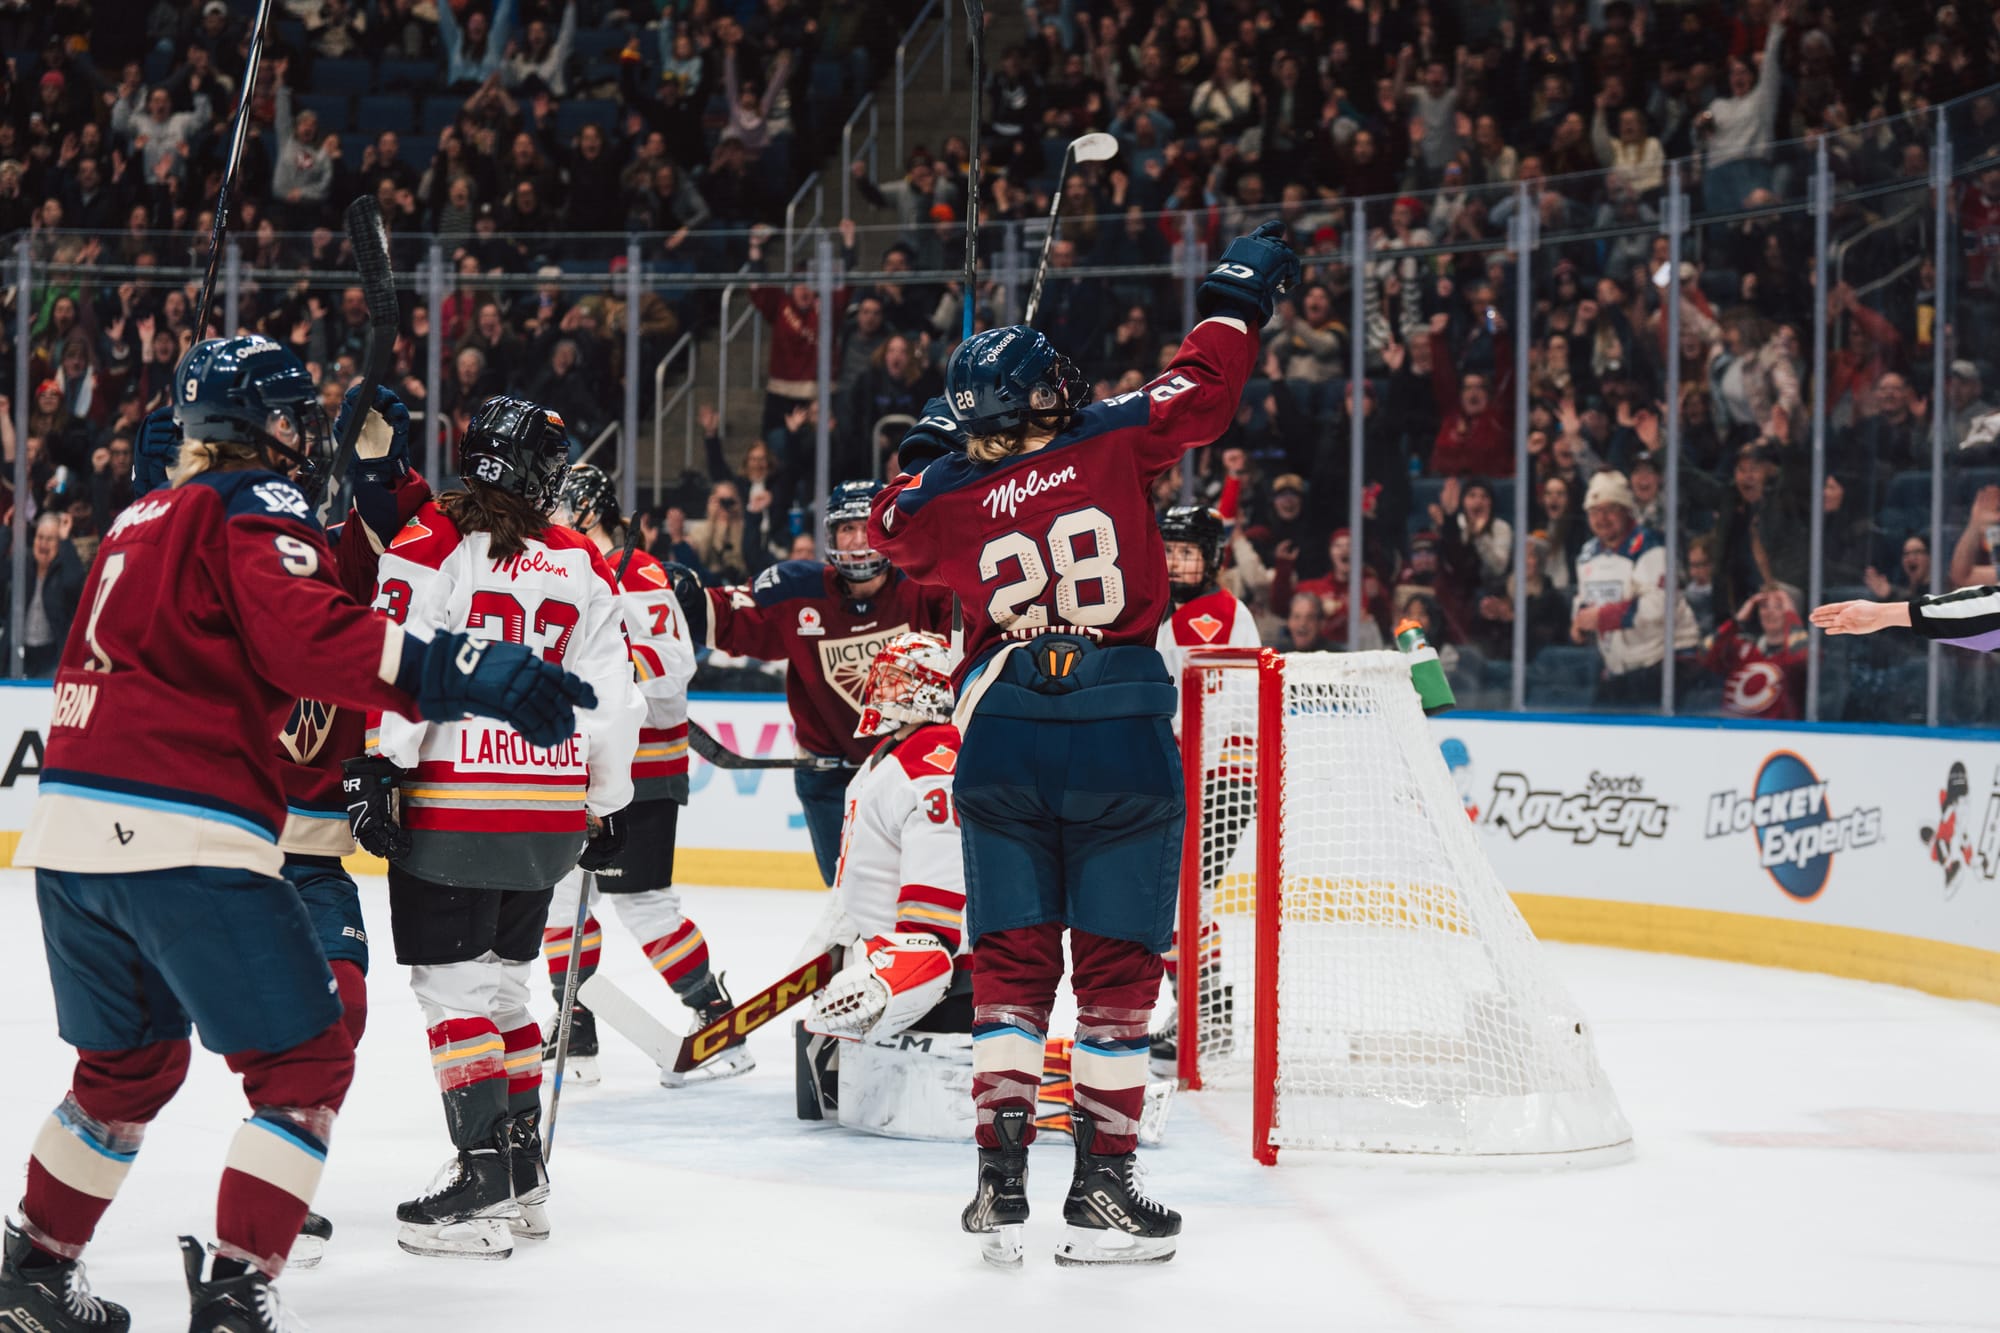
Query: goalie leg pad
{"points": [[816, 1072], [916, 1085]]}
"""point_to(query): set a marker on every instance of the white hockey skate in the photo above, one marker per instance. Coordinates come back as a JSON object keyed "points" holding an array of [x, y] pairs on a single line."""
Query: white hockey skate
{"points": [[310, 1248]]}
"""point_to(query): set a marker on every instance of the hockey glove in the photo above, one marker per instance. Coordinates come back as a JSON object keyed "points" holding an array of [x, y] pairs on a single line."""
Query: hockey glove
{"points": [[368, 783], [897, 980], [607, 839], [382, 450], [936, 434], [463, 675], [1255, 271], [155, 452], [687, 590]]}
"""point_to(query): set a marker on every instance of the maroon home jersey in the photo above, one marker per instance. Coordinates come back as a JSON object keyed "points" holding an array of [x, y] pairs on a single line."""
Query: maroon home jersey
{"points": [[798, 612], [1064, 538], [211, 607]]}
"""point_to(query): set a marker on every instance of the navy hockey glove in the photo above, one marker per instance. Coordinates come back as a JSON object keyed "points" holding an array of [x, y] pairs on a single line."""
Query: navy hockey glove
{"points": [[936, 434], [382, 450], [687, 590], [1255, 271], [156, 450], [368, 782], [606, 841], [465, 675]]}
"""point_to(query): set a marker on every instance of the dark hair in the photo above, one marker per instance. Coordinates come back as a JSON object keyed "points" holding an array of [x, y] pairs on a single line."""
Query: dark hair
{"points": [[506, 519]]}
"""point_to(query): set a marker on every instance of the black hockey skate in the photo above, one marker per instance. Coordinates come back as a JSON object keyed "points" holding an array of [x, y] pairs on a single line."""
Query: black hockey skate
{"points": [[1110, 1221], [999, 1208], [580, 1065], [244, 1302], [310, 1247], [468, 1211], [531, 1175], [710, 1002], [42, 1294], [1164, 1058]]}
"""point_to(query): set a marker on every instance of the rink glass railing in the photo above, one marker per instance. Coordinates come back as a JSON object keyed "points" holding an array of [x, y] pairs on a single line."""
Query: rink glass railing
{"points": [[1874, 209]]}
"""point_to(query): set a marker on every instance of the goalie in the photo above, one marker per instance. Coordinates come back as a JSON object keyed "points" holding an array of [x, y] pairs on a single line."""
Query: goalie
{"points": [[887, 1047]]}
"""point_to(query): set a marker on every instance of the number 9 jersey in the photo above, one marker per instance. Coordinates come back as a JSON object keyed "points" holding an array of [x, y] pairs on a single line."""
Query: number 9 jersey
{"points": [[1064, 538], [479, 777]]}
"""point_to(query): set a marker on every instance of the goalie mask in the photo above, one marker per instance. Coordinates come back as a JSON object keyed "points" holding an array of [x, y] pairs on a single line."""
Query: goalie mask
{"points": [[909, 681]]}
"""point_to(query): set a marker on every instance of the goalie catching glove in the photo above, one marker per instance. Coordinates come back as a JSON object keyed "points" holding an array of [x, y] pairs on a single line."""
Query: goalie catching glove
{"points": [[1254, 272], [897, 980]]}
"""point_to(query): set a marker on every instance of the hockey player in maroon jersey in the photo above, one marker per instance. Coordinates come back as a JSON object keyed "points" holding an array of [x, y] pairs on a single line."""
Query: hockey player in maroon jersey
{"points": [[1069, 784], [1205, 615], [639, 882], [826, 621], [210, 608], [495, 819]]}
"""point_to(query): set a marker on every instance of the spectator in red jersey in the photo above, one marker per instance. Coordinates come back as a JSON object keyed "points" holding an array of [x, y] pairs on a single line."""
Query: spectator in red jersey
{"points": [[1331, 589], [793, 316], [1303, 629], [1761, 657], [1478, 430]]}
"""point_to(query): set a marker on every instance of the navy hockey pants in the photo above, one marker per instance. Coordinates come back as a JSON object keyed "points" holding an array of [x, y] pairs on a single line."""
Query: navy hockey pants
{"points": [[334, 905]]}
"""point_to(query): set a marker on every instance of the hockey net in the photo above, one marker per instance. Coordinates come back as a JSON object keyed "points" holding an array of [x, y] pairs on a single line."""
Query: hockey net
{"points": [[1346, 951]]}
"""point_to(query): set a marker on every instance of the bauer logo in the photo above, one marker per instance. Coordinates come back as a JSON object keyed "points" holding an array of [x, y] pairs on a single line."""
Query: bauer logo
{"points": [[1613, 808], [1798, 831]]}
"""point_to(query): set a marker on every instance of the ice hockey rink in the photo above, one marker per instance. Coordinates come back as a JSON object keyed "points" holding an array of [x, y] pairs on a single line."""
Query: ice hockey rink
{"points": [[1809, 1153]]}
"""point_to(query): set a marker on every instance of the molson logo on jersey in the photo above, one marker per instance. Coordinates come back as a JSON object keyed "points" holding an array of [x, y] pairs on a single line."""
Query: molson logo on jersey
{"points": [[529, 562], [1797, 831], [1008, 495]]}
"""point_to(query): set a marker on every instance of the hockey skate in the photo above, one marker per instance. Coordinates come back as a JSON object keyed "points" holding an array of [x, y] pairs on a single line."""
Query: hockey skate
{"points": [[243, 1303], [43, 1294], [531, 1175], [469, 1210], [710, 1003], [310, 1247], [1109, 1219], [1164, 1058], [999, 1209], [580, 1065]]}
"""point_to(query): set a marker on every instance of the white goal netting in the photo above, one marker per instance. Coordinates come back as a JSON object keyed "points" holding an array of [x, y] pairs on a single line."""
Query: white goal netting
{"points": [[1415, 1011]]}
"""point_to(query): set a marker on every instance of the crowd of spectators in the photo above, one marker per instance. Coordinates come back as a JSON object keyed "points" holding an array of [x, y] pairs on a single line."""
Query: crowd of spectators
{"points": [[531, 136]]}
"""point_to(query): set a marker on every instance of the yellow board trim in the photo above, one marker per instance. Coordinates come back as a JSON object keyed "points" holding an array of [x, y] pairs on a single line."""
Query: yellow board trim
{"points": [[1954, 970]]}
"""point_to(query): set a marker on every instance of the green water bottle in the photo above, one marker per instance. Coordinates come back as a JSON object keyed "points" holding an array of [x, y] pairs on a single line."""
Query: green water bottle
{"points": [[1426, 672]]}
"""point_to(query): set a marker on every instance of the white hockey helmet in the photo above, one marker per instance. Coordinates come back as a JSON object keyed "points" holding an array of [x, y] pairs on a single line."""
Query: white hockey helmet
{"points": [[909, 681]]}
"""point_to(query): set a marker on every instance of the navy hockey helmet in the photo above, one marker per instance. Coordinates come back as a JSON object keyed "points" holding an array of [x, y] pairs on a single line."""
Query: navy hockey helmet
{"points": [[1005, 378], [519, 447], [1203, 528], [589, 497], [249, 390], [850, 502]]}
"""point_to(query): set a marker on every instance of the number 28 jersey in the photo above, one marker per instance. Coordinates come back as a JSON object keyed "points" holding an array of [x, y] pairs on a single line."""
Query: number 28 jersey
{"points": [[1064, 538]]}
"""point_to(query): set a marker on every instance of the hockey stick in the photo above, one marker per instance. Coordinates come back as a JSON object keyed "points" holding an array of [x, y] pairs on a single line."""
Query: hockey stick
{"points": [[801, 983], [1096, 146], [568, 1010], [370, 239], [713, 750], [975, 18], [236, 136]]}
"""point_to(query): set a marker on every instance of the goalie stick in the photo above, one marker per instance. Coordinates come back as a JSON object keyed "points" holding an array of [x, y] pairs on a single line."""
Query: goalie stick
{"points": [[369, 237], [675, 1053]]}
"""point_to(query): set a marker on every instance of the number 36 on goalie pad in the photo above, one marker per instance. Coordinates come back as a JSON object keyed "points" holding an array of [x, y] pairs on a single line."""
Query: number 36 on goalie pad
{"points": [[896, 980]]}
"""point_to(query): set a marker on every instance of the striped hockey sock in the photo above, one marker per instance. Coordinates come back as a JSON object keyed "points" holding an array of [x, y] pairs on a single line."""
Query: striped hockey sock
{"points": [[1006, 1064], [75, 1171], [268, 1181], [1108, 1066], [682, 958], [524, 1068], [555, 951], [469, 1057]]}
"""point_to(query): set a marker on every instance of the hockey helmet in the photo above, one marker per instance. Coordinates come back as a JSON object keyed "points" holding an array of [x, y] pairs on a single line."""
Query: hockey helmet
{"points": [[1005, 378], [909, 681], [518, 447], [851, 502], [589, 498], [1204, 529], [249, 390]]}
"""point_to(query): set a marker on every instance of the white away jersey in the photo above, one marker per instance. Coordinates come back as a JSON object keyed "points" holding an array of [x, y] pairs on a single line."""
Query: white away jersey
{"points": [[901, 866], [1213, 620]]}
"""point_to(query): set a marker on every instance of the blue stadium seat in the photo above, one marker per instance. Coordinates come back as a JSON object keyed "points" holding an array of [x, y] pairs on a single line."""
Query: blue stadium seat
{"points": [[159, 64], [828, 80], [1424, 493], [439, 111], [1961, 484], [409, 76], [571, 117], [331, 108], [349, 77], [593, 42], [352, 145], [1503, 498], [1909, 490], [291, 33], [1563, 677], [384, 111]]}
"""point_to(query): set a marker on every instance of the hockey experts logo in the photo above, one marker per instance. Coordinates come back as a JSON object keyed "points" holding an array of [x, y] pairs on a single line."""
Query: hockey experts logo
{"points": [[1008, 496], [1798, 832]]}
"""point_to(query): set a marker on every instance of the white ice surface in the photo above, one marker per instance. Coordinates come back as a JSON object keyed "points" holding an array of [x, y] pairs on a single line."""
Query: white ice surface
{"points": [[1811, 1154]]}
